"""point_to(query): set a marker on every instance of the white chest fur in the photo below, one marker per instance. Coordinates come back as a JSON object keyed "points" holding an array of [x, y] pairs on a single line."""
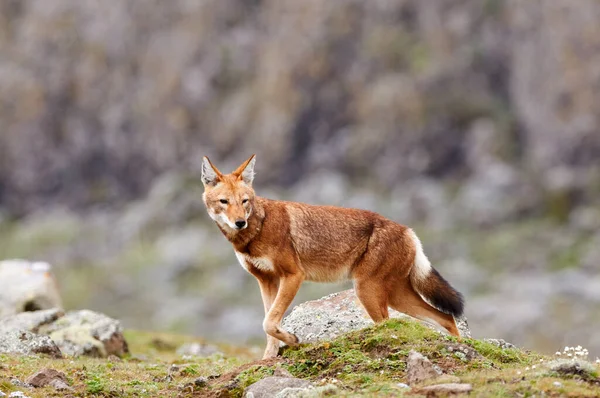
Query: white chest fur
{"points": [[262, 263]]}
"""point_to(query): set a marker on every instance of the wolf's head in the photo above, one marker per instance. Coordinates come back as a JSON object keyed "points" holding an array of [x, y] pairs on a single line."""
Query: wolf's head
{"points": [[229, 198]]}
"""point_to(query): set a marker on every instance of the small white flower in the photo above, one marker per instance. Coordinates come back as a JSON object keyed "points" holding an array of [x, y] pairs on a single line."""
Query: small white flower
{"points": [[579, 347], [394, 336], [518, 372], [533, 366], [527, 368], [566, 348], [557, 353], [569, 355]]}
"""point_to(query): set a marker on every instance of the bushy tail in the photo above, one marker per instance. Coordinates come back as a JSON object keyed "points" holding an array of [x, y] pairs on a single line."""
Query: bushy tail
{"points": [[431, 285]]}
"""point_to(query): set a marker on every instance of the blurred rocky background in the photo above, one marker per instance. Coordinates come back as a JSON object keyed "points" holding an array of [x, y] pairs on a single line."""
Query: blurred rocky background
{"points": [[476, 122]]}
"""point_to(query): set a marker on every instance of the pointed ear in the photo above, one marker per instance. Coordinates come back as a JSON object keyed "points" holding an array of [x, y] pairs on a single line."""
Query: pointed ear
{"points": [[246, 171], [210, 174]]}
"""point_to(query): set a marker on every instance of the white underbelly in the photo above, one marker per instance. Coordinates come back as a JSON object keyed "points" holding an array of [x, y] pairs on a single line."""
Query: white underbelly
{"points": [[327, 274]]}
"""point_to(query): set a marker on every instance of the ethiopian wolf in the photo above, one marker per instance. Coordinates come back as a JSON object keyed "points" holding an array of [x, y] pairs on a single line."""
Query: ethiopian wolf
{"points": [[285, 243]]}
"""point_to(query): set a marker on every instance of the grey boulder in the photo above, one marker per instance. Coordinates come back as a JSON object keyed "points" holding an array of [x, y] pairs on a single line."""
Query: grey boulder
{"points": [[88, 333], [270, 387], [27, 286], [52, 332], [336, 314], [22, 342], [30, 321]]}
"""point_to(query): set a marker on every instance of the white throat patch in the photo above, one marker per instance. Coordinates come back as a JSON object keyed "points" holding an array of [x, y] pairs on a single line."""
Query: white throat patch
{"points": [[262, 263]]}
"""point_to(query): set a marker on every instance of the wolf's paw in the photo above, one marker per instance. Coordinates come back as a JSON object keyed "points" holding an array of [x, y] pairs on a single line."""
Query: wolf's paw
{"points": [[296, 339]]}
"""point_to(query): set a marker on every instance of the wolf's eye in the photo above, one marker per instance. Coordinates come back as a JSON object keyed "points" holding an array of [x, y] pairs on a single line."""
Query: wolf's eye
{"points": [[244, 201], [224, 201]]}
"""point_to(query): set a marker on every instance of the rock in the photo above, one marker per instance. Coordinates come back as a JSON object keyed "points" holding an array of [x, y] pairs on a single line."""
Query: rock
{"points": [[307, 392], [269, 387], [27, 286], [463, 326], [197, 350], [17, 394], [88, 333], [419, 369], [201, 381], [49, 377], [500, 343], [16, 382], [336, 314], [462, 351], [60, 385], [26, 343], [574, 367], [51, 331], [445, 389], [30, 321]]}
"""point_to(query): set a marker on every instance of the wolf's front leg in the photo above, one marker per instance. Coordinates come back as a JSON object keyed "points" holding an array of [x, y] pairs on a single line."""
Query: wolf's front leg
{"points": [[268, 291], [288, 287]]}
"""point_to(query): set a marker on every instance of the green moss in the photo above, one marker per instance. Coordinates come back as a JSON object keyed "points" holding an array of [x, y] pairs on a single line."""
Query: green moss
{"points": [[502, 356], [364, 357], [95, 383]]}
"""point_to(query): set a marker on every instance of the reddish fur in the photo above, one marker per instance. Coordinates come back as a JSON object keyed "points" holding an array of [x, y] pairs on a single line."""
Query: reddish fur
{"points": [[323, 243]]}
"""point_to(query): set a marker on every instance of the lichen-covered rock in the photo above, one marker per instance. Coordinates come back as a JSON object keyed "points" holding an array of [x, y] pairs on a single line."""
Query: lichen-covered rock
{"points": [[307, 392], [26, 286], [88, 333], [270, 387], [574, 367], [335, 314], [462, 351], [75, 333], [30, 321], [26, 343], [18, 394], [500, 343]]}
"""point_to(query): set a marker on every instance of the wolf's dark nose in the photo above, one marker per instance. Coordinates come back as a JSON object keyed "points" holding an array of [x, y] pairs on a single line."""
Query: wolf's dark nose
{"points": [[240, 223]]}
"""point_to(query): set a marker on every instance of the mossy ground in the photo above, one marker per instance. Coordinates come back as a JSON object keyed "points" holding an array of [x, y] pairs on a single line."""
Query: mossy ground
{"points": [[372, 362], [369, 362], [147, 372]]}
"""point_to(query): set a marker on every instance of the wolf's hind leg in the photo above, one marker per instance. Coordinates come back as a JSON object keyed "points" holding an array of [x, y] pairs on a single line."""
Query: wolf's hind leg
{"points": [[406, 300], [373, 298]]}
